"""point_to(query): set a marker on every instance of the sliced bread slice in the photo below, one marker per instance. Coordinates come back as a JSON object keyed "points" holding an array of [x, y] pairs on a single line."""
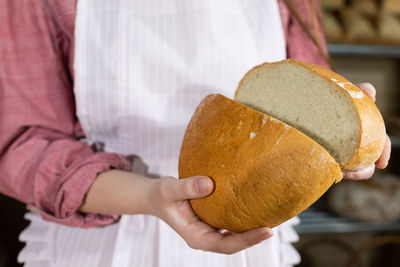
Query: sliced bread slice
{"points": [[321, 104]]}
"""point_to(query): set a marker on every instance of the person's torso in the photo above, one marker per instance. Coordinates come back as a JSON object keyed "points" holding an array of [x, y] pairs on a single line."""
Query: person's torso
{"points": [[142, 67]]}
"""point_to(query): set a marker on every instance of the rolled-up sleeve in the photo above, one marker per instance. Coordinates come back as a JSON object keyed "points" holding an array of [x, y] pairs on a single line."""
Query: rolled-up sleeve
{"points": [[42, 161]]}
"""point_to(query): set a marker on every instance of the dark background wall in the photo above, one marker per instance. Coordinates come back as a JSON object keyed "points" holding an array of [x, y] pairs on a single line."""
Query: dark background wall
{"points": [[11, 225]]}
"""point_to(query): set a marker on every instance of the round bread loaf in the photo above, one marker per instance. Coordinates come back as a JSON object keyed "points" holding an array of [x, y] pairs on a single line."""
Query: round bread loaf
{"points": [[266, 168], [265, 171]]}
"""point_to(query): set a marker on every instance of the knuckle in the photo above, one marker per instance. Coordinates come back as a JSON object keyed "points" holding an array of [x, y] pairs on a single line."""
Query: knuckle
{"points": [[183, 188], [186, 188], [163, 189]]}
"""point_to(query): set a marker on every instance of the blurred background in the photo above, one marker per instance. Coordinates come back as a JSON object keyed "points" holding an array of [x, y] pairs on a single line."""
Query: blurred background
{"points": [[355, 223]]}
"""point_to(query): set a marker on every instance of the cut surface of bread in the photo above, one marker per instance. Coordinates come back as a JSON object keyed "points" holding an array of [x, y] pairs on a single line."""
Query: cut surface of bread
{"points": [[265, 171], [322, 105]]}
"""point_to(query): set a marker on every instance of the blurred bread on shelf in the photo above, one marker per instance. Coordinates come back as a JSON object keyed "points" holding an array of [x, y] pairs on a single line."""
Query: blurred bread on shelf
{"points": [[333, 28], [332, 4], [375, 22], [391, 6], [357, 27], [375, 200], [389, 28], [365, 7]]}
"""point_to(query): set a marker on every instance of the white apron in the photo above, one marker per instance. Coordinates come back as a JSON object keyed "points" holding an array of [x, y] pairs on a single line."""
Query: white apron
{"points": [[141, 68]]}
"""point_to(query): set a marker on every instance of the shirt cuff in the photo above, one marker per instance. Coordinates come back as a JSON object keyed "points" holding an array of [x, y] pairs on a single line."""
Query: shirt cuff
{"points": [[72, 193]]}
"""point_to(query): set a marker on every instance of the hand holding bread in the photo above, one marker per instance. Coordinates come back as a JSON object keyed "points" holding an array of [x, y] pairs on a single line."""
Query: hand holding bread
{"points": [[383, 160], [169, 201], [285, 139]]}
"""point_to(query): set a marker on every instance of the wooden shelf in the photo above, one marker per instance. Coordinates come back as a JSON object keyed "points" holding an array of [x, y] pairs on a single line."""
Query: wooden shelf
{"points": [[391, 51], [395, 141], [314, 221]]}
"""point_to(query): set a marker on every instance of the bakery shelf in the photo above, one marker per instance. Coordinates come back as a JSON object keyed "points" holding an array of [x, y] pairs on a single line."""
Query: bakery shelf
{"points": [[316, 221], [395, 141], [365, 50]]}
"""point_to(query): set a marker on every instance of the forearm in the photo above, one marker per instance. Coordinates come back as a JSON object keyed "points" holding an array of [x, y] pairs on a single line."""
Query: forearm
{"points": [[127, 193], [118, 192]]}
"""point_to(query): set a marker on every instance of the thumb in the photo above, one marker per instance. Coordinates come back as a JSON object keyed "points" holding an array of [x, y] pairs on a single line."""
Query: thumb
{"points": [[190, 188]]}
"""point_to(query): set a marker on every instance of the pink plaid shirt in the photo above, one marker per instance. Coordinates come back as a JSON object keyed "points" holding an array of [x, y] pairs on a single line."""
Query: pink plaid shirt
{"points": [[42, 161]]}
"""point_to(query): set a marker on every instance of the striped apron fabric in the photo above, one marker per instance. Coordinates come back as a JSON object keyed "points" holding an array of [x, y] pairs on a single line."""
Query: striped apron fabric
{"points": [[141, 68]]}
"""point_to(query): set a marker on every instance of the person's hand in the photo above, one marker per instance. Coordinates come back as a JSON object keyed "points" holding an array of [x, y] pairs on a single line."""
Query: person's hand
{"points": [[383, 160], [169, 202]]}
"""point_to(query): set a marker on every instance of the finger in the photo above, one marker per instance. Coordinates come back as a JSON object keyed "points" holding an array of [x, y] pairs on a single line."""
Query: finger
{"points": [[210, 239], [188, 188], [383, 160], [369, 89], [200, 235], [235, 242], [360, 175]]}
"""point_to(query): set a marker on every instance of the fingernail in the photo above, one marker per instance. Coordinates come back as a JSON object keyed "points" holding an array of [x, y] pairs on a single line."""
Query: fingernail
{"points": [[203, 185]]}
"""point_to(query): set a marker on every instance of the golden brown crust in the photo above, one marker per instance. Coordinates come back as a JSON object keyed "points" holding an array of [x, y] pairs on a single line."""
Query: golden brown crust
{"points": [[372, 127], [373, 132], [265, 171]]}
